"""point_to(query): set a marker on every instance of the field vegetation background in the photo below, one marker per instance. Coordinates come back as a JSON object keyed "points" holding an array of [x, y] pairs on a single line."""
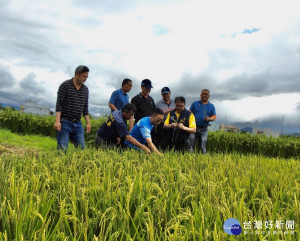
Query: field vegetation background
{"points": [[109, 195]]}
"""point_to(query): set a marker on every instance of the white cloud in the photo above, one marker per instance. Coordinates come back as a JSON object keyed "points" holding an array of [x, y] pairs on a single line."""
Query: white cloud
{"points": [[186, 45]]}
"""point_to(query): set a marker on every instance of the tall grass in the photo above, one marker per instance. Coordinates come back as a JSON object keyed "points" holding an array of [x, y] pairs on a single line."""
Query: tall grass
{"points": [[228, 142], [105, 195], [218, 142]]}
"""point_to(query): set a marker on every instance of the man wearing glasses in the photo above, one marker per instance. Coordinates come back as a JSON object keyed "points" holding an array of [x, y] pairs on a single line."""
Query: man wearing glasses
{"points": [[141, 131], [181, 126]]}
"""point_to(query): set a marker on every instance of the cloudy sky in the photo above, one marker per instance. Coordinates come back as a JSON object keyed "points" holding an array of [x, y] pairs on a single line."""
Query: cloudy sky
{"points": [[247, 52]]}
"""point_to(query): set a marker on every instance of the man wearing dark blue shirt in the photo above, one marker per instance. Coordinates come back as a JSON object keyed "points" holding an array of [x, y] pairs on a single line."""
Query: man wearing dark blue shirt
{"points": [[204, 112], [119, 98], [114, 131]]}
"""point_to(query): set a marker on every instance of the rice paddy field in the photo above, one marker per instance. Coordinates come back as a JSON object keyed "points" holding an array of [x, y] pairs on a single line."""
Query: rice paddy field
{"points": [[109, 195]]}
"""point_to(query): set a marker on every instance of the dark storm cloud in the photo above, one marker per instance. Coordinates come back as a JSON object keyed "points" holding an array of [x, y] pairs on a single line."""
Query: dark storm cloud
{"points": [[6, 78], [30, 85], [28, 88]]}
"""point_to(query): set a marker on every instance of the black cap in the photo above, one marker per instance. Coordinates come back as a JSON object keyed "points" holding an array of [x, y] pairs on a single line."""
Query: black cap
{"points": [[165, 90], [147, 83]]}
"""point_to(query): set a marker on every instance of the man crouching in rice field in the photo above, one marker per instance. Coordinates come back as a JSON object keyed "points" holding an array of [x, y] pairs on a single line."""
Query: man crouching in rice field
{"points": [[113, 132], [71, 104], [181, 128], [141, 131]]}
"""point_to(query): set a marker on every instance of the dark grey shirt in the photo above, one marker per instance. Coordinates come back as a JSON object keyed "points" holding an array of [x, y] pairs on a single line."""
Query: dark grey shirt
{"points": [[165, 107], [72, 103]]}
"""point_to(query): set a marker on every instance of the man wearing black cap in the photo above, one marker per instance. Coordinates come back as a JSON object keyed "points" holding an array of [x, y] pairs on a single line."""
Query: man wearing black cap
{"points": [[143, 101]]}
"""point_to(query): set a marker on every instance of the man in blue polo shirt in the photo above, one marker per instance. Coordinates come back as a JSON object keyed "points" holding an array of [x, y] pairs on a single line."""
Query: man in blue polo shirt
{"points": [[113, 132], [119, 98], [204, 112], [142, 130]]}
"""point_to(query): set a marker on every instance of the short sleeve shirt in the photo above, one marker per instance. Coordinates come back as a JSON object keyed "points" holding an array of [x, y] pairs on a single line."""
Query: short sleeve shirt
{"points": [[201, 110], [144, 106], [140, 131], [119, 99], [115, 126], [165, 107]]}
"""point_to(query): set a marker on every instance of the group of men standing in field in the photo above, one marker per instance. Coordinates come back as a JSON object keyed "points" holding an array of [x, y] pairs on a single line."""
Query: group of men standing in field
{"points": [[152, 127]]}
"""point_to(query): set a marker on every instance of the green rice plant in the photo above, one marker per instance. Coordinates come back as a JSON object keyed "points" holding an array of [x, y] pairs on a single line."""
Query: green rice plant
{"points": [[218, 142], [106, 195]]}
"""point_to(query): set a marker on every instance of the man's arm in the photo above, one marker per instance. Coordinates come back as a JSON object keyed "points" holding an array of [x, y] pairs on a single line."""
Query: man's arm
{"points": [[211, 118], [61, 95], [192, 125], [88, 123], [112, 107], [152, 146], [57, 124], [167, 124], [112, 101], [212, 115], [187, 129], [130, 123], [133, 141]]}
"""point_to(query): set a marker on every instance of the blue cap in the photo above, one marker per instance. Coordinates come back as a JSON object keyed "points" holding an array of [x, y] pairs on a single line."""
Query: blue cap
{"points": [[147, 83], [165, 90]]}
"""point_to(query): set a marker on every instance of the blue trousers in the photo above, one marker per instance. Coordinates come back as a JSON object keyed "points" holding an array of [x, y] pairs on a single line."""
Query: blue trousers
{"points": [[201, 134], [70, 131]]}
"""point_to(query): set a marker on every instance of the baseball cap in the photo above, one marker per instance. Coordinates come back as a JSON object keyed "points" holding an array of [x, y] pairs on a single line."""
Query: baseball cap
{"points": [[165, 90], [147, 83]]}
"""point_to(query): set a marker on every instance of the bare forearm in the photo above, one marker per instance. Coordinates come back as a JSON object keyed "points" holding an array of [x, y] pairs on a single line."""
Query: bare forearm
{"points": [[87, 119], [136, 143], [133, 141], [152, 146], [57, 116], [190, 130], [112, 107], [130, 123]]}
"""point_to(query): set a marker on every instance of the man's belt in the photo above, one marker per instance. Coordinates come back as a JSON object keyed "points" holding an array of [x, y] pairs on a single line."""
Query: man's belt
{"points": [[201, 127], [72, 120]]}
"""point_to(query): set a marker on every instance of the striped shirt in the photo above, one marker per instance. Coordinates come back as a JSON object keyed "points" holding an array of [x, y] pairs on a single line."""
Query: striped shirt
{"points": [[72, 103]]}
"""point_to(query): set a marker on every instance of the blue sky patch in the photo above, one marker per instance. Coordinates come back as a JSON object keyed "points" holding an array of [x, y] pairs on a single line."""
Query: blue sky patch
{"points": [[252, 30], [160, 29]]}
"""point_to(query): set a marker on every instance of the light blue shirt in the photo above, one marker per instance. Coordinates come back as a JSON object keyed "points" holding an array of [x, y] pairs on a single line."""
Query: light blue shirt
{"points": [[140, 131]]}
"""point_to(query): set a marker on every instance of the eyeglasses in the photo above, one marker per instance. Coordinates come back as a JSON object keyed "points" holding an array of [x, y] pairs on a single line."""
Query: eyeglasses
{"points": [[159, 120], [179, 105]]}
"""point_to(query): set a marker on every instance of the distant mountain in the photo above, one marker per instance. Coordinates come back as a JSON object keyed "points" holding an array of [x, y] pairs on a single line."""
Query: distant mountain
{"points": [[294, 134], [10, 105]]}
